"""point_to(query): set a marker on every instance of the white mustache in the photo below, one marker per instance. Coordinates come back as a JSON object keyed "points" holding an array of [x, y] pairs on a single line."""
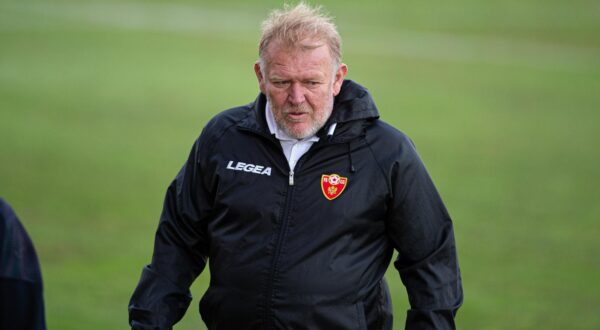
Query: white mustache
{"points": [[301, 108]]}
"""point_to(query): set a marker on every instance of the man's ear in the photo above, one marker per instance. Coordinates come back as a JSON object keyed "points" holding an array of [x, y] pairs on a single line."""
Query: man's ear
{"points": [[259, 76], [340, 75]]}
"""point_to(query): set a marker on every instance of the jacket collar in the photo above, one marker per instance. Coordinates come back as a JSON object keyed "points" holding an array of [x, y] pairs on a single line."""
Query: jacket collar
{"points": [[354, 102]]}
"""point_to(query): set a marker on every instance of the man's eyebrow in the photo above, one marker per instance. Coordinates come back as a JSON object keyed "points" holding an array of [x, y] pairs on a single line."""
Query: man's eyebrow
{"points": [[275, 77]]}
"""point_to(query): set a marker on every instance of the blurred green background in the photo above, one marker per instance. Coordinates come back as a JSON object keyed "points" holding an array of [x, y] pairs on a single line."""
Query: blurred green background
{"points": [[100, 102]]}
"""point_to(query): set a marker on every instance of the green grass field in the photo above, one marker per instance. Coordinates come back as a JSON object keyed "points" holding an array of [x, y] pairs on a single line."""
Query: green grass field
{"points": [[100, 102]]}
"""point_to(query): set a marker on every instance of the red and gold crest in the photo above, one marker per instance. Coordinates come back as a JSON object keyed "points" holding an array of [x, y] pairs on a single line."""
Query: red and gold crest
{"points": [[333, 185]]}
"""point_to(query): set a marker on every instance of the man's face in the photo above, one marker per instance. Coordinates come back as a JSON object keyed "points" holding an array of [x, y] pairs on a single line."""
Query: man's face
{"points": [[300, 85]]}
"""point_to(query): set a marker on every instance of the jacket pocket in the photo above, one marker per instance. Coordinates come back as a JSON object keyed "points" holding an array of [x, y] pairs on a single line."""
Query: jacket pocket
{"points": [[222, 308]]}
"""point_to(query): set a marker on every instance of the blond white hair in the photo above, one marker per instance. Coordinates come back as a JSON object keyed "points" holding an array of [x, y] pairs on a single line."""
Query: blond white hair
{"points": [[294, 24]]}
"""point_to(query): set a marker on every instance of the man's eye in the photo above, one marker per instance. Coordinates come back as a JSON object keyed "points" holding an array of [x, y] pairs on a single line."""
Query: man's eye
{"points": [[313, 83], [280, 83]]}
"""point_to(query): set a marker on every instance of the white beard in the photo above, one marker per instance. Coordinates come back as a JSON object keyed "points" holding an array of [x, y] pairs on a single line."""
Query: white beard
{"points": [[317, 118]]}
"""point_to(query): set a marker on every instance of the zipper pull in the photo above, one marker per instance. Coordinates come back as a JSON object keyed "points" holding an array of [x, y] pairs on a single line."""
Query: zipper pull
{"points": [[291, 181]]}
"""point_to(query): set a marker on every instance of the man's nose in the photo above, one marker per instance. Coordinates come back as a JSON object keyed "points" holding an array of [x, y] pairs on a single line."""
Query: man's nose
{"points": [[296, 94]]}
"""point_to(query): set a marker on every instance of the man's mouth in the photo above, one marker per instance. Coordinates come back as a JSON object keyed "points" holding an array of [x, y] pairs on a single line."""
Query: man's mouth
{"points": [[296, 116]]}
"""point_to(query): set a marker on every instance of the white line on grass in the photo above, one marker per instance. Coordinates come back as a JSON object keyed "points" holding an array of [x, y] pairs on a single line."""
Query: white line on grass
{"points": [[239, 25], [488, 49]]}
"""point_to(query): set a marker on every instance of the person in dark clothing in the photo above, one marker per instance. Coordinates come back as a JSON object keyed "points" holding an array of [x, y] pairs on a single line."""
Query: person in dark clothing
{"points": [[297, 201], [21, 300]]}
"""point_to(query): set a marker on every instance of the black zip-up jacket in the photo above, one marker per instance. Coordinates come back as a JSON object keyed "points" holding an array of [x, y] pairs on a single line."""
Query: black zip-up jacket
{"points": [[21, 289], [281, 254]]}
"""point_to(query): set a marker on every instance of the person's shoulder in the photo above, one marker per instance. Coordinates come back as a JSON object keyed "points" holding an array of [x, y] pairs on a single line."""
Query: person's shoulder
{"points": [[18, 259], [228, 118], [389, 136], [8, 217], [390, 145], [221, 124], [11, 228]]}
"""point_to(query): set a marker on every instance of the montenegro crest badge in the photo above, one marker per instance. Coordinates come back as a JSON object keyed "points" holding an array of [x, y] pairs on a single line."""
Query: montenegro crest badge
{"points": [[333, 185]]}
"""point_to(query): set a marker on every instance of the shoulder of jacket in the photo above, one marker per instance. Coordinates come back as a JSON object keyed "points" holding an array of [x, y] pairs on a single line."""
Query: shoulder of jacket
{"points": [[222, 122], [227, 118], [390, 146], [387, 137]]}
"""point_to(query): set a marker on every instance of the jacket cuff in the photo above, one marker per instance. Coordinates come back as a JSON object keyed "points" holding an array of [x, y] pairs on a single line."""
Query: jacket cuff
{"points": [[440, 319], [157, 303]]}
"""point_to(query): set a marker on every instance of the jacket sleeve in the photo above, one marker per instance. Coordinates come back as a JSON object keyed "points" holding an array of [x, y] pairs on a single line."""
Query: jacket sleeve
{"points": [[421, 231], [180, 249]]}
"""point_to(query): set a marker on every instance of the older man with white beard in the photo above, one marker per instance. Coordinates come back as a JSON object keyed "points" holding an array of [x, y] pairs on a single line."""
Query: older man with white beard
{"points": [[297, 202]]}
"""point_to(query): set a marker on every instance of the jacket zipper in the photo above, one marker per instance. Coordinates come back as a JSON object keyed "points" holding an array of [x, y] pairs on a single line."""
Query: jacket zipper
{"points": [[268, 312], [278, 247]]}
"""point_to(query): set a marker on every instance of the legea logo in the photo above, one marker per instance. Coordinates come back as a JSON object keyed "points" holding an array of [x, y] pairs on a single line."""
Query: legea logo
{"points": [[250, 168]]}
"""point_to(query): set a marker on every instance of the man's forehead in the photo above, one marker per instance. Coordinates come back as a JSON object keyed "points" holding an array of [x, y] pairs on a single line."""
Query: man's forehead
{"points": [[285, 70], [303, 47], [304, 57]]}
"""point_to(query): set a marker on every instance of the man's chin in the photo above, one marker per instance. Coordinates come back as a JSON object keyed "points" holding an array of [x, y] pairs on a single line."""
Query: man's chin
{"points": [[299, 131]]}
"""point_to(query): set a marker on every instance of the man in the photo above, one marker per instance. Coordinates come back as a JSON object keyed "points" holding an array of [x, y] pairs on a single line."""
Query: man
{"points": [[297, 201], [21, 296]]}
